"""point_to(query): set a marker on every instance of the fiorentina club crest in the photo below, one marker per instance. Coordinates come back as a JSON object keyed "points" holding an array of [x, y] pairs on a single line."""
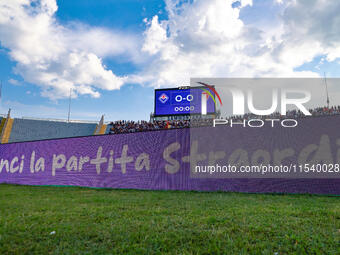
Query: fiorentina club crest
{"points": [[163, 98]]}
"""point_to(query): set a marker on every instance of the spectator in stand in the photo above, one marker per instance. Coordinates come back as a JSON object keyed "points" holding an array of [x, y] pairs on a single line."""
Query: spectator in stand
{"points": [[123, 126]]}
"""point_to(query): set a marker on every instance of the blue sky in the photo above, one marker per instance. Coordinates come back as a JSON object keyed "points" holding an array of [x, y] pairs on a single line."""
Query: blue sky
{"points": [[132, 101], [130, 47]]}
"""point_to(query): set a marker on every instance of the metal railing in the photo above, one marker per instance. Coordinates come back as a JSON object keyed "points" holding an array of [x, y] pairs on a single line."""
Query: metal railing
{"points": [[60, 120]]}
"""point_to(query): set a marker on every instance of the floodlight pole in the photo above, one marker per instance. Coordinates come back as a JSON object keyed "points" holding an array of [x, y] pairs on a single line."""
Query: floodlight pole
{"points": [[326, 90]]}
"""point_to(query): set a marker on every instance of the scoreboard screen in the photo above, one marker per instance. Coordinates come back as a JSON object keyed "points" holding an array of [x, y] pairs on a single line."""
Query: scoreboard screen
{"points": [[181, 101]]}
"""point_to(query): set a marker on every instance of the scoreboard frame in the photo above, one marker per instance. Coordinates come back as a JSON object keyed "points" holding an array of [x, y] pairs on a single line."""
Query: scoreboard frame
{"points": [[179, 114]]}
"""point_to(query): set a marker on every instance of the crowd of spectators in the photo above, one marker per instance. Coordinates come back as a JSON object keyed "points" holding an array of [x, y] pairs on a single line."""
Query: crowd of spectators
{"points": [[293, 114], [124, 126]]}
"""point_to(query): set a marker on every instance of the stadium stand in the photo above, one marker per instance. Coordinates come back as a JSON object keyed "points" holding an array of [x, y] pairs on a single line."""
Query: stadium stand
{"points": [[316, 112], [2, 123], [32, 129], [122, 126], [6, 127], [25, 129], [101, 127]]}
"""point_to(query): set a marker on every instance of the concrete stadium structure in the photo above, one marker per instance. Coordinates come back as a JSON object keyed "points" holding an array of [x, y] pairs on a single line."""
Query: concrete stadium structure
{"points": [[30, 129]]}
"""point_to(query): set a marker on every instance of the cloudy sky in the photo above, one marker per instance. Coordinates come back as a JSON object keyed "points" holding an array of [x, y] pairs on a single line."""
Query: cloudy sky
{"points": [[112, 53]]}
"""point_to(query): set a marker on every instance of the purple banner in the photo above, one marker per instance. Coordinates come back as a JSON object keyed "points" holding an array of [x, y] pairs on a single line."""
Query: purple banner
{"points": [[158, 160]]}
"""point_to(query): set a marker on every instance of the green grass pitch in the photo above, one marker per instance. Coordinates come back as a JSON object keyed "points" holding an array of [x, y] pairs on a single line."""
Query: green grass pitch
{"points": [[102, 221]]}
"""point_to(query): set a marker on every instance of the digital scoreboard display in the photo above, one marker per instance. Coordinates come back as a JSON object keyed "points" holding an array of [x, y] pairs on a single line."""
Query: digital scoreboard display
{"points": [[182, 101]]}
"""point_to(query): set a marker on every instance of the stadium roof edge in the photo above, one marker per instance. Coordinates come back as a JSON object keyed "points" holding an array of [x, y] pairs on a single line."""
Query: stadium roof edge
{"points": [[59, 120]]}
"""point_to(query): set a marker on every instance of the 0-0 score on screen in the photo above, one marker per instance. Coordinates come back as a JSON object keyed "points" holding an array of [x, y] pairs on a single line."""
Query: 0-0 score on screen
{"points": [[180, 98]]}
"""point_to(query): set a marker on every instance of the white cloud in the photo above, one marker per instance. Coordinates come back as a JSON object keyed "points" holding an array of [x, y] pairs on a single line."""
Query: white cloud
{"points": [[155, 36], [198, 39], [313, 25], [208, 39], [57, 57]]}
